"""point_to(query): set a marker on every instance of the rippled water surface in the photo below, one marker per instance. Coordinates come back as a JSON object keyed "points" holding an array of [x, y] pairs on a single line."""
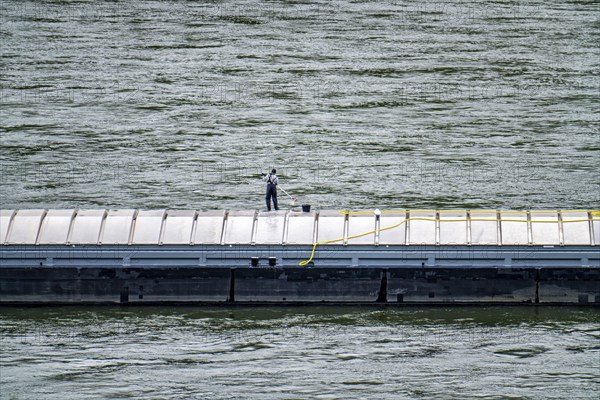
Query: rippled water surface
{"points": [[358, 104], [289, 353]]}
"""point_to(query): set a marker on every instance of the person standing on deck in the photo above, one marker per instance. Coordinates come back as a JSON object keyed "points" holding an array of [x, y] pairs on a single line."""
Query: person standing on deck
{"points": [[272, 182]]}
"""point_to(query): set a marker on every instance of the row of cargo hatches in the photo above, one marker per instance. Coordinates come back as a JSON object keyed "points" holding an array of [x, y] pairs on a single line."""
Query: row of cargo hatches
{"points": [[290, 227]]}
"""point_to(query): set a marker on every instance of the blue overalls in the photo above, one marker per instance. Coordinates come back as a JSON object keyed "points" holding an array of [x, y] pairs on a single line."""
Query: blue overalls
{"points": [[271, 191]]}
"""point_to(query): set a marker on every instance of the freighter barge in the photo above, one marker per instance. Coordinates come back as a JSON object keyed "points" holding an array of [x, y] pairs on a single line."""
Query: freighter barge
{"points": [[393, 257]]}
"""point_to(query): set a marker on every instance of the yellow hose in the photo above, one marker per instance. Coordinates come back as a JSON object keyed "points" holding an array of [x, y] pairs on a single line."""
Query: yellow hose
{"points": [[312, 254]]}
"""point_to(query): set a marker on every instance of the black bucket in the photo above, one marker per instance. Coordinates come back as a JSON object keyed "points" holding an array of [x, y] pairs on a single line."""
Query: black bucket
{"points": [[305, 207]]}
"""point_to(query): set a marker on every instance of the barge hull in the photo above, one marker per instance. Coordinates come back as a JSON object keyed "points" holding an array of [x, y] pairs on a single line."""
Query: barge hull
{"points": [[286, 257], [283, 285]]}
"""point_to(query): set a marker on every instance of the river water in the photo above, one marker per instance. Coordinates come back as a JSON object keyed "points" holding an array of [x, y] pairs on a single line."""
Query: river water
{"points": [[291, 353], [358, 104]]}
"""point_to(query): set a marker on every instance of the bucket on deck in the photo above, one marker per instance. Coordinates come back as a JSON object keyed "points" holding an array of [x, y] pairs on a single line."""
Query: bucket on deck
{"points": [[305, 207]]}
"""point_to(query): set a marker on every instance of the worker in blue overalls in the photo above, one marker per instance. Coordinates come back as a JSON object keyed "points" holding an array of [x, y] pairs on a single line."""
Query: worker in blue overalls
{"points": [[272, 182]]}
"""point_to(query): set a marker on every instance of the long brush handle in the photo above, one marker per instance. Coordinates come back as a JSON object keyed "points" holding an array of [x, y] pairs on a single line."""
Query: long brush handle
{"points": [[283, 190]]}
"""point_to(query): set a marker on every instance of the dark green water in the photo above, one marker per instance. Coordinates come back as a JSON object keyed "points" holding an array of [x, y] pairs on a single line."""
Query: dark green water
{"points": [[359, 104], [290, 353]]}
